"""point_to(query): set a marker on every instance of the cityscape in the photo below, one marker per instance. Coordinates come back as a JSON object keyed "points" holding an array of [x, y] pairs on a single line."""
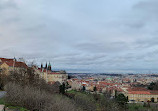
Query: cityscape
{"points": [[78, 55], [137, 88]]}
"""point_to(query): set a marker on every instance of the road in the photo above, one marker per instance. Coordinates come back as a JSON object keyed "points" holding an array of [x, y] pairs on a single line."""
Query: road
{"points": [[2, 94]]}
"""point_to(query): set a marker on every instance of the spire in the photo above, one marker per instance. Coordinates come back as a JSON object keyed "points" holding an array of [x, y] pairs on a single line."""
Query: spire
{"points": [[41, 66], [46, 66], [14, 59], [49, 66]]}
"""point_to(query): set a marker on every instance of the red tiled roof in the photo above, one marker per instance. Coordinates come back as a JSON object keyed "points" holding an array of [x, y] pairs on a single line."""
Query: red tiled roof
{"points": [[144, 92], [6, 60], [16, 64], [105, 83], [139, 92], [154, 92], [137, 89]]}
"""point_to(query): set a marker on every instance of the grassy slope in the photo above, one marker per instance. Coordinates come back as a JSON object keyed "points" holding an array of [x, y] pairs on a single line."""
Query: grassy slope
{"points": [[2, 101], [12, 107]]}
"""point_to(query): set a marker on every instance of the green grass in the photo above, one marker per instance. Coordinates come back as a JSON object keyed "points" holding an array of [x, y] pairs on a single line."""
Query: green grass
{"points": [[12, 107], [19, 108], [2, 101], [72, 91]]}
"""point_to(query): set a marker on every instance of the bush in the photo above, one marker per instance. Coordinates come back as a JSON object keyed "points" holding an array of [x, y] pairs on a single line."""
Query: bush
{"points": [[86, 102], [36, 99], [93, 102], [26, 89], [121, 99], [107, 104], [30, 78]]}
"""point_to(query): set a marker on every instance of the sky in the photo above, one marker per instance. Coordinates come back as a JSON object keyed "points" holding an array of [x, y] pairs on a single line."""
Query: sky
{"points": [[115, 36]]}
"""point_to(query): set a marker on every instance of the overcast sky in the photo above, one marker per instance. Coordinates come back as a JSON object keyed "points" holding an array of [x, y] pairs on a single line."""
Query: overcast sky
{"points": [[82, 35]]}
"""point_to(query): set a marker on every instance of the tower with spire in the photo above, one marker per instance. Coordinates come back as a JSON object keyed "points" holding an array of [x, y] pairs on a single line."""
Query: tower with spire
{"points": [[49, 75], [46, 66], [49, 67], [41, 66]]}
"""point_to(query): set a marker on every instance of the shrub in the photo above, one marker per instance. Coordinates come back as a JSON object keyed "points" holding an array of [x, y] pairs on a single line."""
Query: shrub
{"points": [[86, 102], [36, 99], [26, 89]]}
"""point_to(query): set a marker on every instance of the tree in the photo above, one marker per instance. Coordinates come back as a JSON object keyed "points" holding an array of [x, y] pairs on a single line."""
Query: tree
{"points": [[152, 100], [115, 93], [56, 87], [121, 99], [83, 88], [69, 77], [67, 85], [151, 86], [127, 98], [3, 81], [95, 89], [62, 88]]}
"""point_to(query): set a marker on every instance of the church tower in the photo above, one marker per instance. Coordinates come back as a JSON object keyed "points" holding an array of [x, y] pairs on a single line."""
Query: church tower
{"points": [[46, 66], [41, 66], [49, 67]]}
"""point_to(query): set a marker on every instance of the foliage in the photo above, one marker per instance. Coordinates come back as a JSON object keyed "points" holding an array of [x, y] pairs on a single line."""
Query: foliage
{"points": [[83, 88], [30, 78], [144, 105], [3, 80], [140, 107], [153, 86], [26, 89], [2, 101], [148, 105], [17, 108], [95, 89], [121, 99], [36, 99], [85, 101], [62, 88], [107, 104], [94, 102]]}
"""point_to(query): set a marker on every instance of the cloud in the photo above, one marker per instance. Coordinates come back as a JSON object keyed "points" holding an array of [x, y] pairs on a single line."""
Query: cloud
{"points": [[94, 47], [86, 36]]}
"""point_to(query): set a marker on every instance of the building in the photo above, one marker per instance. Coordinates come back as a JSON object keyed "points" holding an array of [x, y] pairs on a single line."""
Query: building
{"points": [[54, 76], [51, 76], [143, 96], [8, 65]]}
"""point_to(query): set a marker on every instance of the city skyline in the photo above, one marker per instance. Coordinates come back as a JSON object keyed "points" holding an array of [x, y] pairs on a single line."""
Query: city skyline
{"points": [[82, 36]]}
